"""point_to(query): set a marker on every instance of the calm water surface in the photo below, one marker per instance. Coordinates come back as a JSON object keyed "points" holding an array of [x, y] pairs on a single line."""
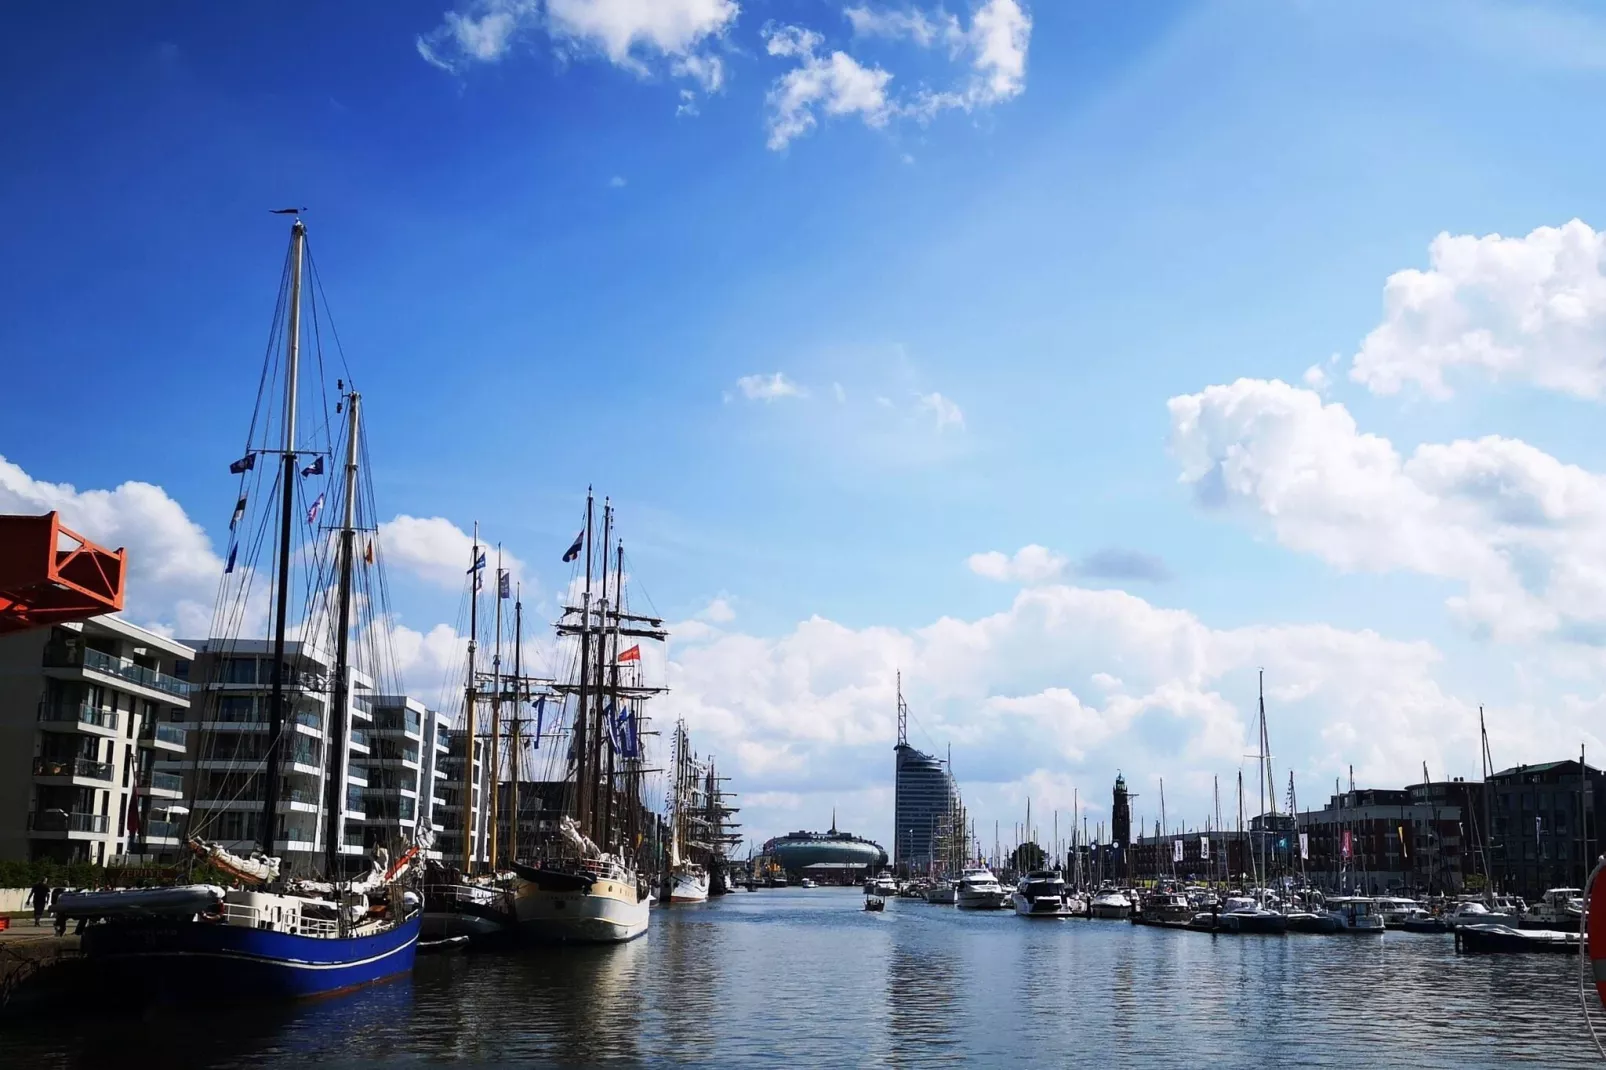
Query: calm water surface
{"points": [[807, 978]]}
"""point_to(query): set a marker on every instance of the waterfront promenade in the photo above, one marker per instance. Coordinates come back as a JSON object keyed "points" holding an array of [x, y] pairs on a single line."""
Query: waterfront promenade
{"points": [[808, 973]]}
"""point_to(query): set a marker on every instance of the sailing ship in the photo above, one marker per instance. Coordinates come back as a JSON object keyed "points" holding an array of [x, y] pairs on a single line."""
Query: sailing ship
{"points": [[584, 881], [687, 879], [271, 936]]}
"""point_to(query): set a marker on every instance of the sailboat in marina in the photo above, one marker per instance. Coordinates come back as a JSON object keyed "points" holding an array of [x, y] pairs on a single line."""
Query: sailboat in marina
{"points": [[275, 933], [584, 881], [687, 879]]}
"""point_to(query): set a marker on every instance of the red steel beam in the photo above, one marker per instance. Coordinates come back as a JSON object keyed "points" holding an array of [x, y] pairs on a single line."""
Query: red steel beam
{"points": [[50, 574]]}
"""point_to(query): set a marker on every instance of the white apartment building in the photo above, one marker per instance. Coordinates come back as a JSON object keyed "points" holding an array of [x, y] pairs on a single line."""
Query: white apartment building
{"points": [[91, 713], [228, 740], [448, 807]]}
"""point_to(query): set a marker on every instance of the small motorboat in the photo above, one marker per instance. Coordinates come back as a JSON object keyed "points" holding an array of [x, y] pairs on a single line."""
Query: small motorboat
{"points": [[1110, 904], [1304, 921], [1041, 894], [943, 893], [1503, 939], [1355, 914], [1241, 914], [874, 902], [1424, 922]]}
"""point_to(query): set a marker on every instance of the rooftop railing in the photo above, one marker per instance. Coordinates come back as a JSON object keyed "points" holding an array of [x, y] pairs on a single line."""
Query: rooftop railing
{"points": [[122, 668]]}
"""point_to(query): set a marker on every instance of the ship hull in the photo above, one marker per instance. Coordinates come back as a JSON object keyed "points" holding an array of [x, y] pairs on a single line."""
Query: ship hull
{"points": [[190, 961], [606, 912], [688, 888]]}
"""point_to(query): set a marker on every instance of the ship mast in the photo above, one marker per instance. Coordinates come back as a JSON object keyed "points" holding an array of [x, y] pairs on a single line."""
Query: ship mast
{"points": [[582, 715], [469, 698], [612, 708], [270, 770], [515, 747], [338, 710], [494, 762], [594, 757]]}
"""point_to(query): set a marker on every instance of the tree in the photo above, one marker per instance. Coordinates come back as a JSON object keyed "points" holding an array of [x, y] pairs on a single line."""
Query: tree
{"points": [[1027, 856]]}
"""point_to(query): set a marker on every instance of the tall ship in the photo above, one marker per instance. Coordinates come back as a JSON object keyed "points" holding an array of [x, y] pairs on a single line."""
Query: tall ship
{"points": [[316, 924], [585, 879], [687, 879]]}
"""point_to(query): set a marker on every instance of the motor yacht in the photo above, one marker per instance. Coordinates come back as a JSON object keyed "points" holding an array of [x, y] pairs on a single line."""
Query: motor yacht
{"points": [[1110, 904], [979, 890], [1356, 914], [1041, 894], [1561, 908]]}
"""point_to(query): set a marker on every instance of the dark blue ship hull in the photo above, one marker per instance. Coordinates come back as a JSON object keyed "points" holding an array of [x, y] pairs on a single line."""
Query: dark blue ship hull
{"points": [[182, 961]]}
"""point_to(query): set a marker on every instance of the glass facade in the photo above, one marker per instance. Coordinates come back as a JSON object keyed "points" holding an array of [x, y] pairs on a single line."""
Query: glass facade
{"points": [[924, 795]]}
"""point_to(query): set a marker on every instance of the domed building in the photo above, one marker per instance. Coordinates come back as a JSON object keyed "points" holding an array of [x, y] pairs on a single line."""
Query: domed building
{"points": [[829, 857]]}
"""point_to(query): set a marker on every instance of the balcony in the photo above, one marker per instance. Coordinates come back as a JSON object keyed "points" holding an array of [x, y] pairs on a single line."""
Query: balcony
{"points": [[167, 784], [60, 821], [359, 738], [160, 831], [81, 715], [170, 735], [73, 767], [58, 657]]}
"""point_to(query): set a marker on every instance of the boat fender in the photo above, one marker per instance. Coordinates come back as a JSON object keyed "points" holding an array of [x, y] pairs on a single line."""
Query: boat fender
{"points": [[1595, 912]]}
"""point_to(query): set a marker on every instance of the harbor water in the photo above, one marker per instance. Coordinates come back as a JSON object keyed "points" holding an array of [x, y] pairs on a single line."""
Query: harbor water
{"points": [[808, 978]]}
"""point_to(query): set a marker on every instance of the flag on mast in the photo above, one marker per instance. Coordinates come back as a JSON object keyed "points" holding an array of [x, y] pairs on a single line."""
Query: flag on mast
{"points": [[239, 512], [317, 507], [633, 654], [1204, 848], [233, 549], [243, 465], [504, 589], [574, 550], [315, 468]]}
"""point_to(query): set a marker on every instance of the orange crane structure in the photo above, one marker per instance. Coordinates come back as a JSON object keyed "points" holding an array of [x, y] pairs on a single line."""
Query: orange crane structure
{"points": [[50, 574]]}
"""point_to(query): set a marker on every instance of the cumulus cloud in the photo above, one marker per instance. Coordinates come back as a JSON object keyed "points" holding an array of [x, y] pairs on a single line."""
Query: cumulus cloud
{"points": [[769, 387], [835, 85], [1030, 564], [993, 47], [1521, 533], [1067, 680], [438, 551], [632, 34], [944, 410], [1525, 310]]}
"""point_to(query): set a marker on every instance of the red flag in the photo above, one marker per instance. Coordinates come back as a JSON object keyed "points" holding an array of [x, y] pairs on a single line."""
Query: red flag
{"points": [[133, 811], [633, 654], [1346, 847]]}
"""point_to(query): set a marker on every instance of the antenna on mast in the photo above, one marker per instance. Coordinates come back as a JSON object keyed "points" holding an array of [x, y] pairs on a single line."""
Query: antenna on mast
{"points": [[903, 715]]}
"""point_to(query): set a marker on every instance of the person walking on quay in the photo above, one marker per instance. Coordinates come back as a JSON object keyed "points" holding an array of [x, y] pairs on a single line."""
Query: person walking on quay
{"points": [[39, 894], [61, 922]]}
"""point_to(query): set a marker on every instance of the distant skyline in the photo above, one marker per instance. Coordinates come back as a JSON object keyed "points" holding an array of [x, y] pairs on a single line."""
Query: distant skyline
{"points": [[1075, 360]]}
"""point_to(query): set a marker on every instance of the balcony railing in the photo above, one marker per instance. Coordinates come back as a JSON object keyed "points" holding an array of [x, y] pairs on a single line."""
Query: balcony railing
{"points": [[311, 719], [58, 821], [122, 668], [359, 737], [171, 733], [161, 830], [72, 767], [164, 781], [83, 713]]}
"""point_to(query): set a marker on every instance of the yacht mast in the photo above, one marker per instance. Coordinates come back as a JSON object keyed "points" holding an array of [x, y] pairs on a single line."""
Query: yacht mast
{"points": [[598, 729], [612, 708], [516, 750], [340, 707], [470, 696], [270, 769]]}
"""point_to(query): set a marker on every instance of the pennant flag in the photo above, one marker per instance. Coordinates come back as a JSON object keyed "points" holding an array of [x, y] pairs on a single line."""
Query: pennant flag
{"points": [[1304, 845], [608, 722], [479, 562], [368, 554], [233, 549], [1204, 848], [317, 507], [540, 715], [574, 551], [628, 739], [239, 512], [1176, 850], [315, 468], [1347, 845], [243, 465], [504, 589], [633, 654]]}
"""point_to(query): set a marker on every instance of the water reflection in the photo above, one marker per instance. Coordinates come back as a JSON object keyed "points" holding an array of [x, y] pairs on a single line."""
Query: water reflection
{"points": [[807, 978]]}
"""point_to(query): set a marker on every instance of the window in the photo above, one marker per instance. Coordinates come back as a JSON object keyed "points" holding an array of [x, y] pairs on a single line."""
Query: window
{"points": [[240, 671]]}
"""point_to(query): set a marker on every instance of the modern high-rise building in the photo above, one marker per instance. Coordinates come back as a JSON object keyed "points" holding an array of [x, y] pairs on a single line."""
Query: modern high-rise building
{"points": [[925, 801], [88, 713], [448, 811]]}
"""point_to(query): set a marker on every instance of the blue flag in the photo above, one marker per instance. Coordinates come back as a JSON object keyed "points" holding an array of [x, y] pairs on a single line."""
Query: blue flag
{"points": [[540, 714], [244, 464], [228, 568], [628, 738], [503, 587], [479, 562], [239, 511], [317, 507], [314, 469], [574, 551]]}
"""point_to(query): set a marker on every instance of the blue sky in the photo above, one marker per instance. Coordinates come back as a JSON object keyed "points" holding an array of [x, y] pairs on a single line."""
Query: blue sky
{"points": [[553, 258]]}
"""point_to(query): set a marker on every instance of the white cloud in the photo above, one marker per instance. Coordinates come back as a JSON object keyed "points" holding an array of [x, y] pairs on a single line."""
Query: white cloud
{"points": [[836, 84], [1070, 681], [944, 409], [719, 611], [630, 33], [173, 571], [1031, 564], [1526, 310], [1523, 534], [769, 387], [438, 551], [994, 47], [617, 182], [837, 392]]}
